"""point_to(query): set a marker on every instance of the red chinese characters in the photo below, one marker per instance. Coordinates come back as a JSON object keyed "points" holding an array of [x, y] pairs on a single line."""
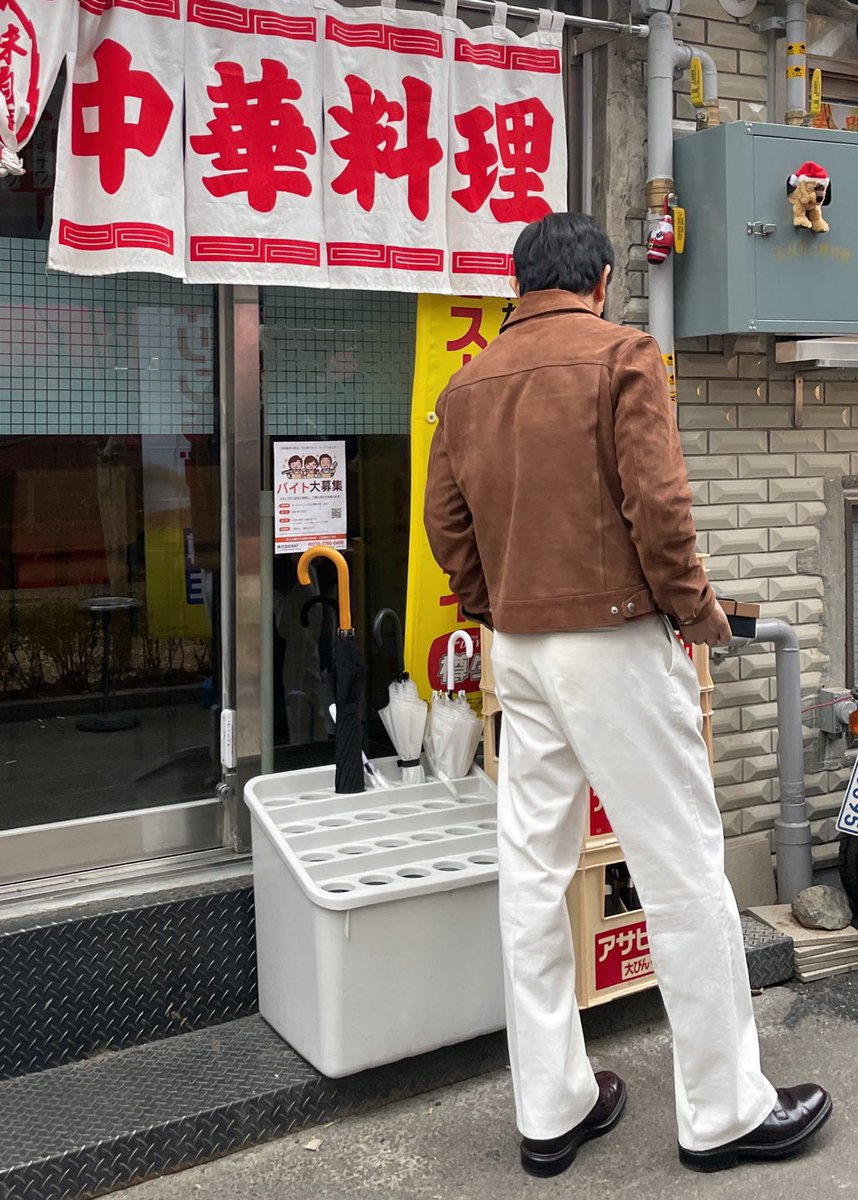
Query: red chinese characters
{"points": [[512, 164], [373, 146], [10, 46], [258, 138], [100, 126]]}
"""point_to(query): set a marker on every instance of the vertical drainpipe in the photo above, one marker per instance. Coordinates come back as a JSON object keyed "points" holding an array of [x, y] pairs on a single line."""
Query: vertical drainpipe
{"points": [[796, 63], [661, 59]]}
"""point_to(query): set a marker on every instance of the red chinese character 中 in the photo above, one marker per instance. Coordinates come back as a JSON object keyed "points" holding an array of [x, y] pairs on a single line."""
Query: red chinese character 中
{"points": [[472, 335], [371, 144], [111, 135], [257, 137], [524, 130], [9, 45]]}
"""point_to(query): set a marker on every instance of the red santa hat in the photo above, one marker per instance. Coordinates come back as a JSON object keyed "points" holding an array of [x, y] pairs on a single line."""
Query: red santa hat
{"points": [[810, 172]]}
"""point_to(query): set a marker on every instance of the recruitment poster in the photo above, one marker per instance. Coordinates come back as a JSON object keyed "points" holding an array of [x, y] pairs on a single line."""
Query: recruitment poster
{"points": [[450, 332], [309, 496]]}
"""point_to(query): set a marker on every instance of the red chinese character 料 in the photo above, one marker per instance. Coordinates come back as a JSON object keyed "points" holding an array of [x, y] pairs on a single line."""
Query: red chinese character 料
{"points": [[373, 145]]}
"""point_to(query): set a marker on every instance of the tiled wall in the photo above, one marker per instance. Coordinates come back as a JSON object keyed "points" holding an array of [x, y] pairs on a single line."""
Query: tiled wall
{"points": [[126, 354], [337, 363]]}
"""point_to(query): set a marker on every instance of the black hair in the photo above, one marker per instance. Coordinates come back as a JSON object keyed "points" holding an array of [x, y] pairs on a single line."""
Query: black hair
{"points": [[564, 250]]}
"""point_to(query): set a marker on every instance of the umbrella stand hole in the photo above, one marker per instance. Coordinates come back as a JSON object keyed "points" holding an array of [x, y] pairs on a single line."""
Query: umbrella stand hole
{"points": [[338, 885], [405, 810], [413, 873], [369, 816], [375, 880], [316, 856], [487, 824], [296, 829], [460, 830], [471, 796], [438, 804], [334, 822], [483, 860], [391, 843], [354, 849], [449, 865], [427, 836]]}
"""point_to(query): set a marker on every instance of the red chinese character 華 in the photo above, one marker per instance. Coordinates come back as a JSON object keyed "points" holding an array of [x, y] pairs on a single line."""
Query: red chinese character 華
{"points": [[371, 144], [524, 130], [9, 45], [257, 137], [110, 135], [472, 335]]}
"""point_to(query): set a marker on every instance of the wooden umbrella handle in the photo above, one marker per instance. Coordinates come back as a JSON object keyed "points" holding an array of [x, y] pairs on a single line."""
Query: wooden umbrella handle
{"points": [[343, 584]]}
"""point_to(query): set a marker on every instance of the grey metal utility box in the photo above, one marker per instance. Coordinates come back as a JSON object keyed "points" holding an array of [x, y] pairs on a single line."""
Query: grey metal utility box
{"points": [[732, 179]]}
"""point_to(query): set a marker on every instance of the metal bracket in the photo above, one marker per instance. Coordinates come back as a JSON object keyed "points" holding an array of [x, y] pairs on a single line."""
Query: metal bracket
{"points": [[798, 406], [761, 229], [770, 25]]}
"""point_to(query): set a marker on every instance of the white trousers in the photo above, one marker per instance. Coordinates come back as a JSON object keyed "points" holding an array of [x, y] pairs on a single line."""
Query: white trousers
{"points": [[620, 709]]}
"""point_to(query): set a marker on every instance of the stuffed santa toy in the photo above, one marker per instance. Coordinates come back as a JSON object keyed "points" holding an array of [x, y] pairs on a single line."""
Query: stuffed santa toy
{"points": [[661, 239], [808, 189]]}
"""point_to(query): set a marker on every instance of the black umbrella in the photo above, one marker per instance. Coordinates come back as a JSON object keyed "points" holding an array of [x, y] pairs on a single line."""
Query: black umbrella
{"points": [[382, 616], [350, 673]]}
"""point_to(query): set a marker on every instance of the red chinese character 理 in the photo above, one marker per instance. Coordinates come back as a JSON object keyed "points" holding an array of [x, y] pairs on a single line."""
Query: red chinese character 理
{"points": [[472, 336], [371, 144], [524, 130], [257, 136], [111, 135]]}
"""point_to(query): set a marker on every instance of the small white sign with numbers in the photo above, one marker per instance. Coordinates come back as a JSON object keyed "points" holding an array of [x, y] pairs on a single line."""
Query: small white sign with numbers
{"points": [[847, 821]]}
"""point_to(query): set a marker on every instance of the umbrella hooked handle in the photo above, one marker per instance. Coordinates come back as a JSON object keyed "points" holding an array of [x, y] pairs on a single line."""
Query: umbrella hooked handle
{"points": [[458, 635], [344, 587], [327, 601], [387, 614]]}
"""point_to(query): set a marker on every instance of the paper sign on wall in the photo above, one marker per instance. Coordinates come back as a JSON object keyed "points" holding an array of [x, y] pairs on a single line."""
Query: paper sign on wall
{"points": [[309, 496]]}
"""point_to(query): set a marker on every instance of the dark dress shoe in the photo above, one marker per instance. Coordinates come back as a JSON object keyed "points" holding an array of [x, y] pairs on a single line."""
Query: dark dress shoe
{"points": [[798, 1114], [551, 1156]]}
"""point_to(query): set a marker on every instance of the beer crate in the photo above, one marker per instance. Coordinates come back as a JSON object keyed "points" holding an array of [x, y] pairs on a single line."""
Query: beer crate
{"points": [[612, 953]]}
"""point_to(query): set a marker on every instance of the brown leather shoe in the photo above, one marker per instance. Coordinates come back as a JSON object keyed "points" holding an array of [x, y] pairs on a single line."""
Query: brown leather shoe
{"points": [[553, 1155], [798, 1114]]}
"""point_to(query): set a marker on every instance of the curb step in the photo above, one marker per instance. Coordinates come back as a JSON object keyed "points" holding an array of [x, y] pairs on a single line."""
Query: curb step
{"points": [[85, 1129]]}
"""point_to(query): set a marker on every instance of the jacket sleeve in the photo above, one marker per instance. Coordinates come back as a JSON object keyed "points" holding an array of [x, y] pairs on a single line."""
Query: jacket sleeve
{"points": [[450, 526], [656, 495]]}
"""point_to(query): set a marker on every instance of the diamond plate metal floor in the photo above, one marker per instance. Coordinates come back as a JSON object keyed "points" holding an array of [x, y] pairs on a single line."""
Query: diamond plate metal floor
{"points": [[91, 1127]]}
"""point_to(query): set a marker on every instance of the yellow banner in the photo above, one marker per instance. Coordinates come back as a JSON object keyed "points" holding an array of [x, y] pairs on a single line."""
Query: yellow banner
{"points": [[450, 331]]}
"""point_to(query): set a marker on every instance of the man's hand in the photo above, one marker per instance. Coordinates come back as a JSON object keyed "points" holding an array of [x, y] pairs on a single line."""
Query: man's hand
{"points": [[713, 630]]}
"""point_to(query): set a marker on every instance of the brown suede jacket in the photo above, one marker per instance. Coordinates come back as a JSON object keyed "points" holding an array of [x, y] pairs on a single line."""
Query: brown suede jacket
{"points": [[558, 496]]}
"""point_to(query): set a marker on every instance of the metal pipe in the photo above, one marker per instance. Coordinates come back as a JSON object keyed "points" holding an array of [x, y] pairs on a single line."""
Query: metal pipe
{"points": [[517, 10], [792, 828], [661, 62], [796, 61], [711, 104]]}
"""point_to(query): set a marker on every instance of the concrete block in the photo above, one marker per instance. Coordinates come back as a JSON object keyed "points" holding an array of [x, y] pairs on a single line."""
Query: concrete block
{"points": [[759, 716], [825, 856], [715, 516], [722, 33], [807, 611], [732, 823], [755, 566], [840, 391], [753, 366], [757, 666], [748, 866], [796, 489], [739, 541], [738, 441], [823, 831], [783, 610], [766, 466], [796, 441], [694, 441], [810, 512], [796, 587], [742, 87], [742, 392], [726, 671], [699, 492], [828, 466], [708, 366], [806, 538], [746, 691], [723, 569], [758, 770], [759, 816], [707, 416], [727, 720], [728, 774], [753, 62], [738, 491], [824, 806], [743, 745], [712, 467], [766, 514], [817, 785], [742, 795], [691, 391], [764, 416], [841, 439]]}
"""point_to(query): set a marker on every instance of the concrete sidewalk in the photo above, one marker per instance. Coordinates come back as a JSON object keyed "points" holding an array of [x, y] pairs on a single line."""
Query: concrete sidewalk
{"points": [[461, 1144]]}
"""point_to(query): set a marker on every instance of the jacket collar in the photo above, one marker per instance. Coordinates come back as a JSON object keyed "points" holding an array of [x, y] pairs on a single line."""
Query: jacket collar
{"points": [[540, 304]]}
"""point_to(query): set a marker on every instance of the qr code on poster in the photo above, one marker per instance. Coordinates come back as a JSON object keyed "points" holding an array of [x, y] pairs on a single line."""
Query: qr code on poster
{"points": [[336, 514]]}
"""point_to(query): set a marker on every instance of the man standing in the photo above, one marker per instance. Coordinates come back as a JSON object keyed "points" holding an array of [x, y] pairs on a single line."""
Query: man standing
{"points": [[558, 502]]}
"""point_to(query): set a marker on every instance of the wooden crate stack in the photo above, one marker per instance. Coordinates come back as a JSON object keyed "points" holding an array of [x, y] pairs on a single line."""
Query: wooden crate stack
{"points": [[611, 952]]}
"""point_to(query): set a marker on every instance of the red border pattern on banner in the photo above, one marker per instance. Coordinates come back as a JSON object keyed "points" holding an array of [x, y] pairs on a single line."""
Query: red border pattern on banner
{"points": [[508, 58], [405, 258], [379, 36], [150, 8], [216, 15], [480, 262], [259, 250], [118, 235]]}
